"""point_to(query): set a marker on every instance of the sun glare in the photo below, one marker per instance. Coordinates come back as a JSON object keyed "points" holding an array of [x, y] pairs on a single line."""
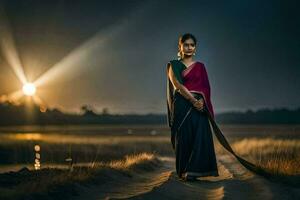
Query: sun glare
{"points": [[29, 89]]}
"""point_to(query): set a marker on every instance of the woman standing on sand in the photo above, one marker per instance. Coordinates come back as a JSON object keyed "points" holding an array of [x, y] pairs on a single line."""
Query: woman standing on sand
{"points": [[188, 97], [189, 112]]}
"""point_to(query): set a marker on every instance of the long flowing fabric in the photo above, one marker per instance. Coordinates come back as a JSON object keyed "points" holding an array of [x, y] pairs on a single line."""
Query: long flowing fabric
{"points": [[192, 140], [176, 119], [221, 138]]}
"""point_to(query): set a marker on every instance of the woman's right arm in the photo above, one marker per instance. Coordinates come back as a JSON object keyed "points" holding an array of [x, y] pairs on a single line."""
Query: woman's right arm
{"points": [[182, 89]]}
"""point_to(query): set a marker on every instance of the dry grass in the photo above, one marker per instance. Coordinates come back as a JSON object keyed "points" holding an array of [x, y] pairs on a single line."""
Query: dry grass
{"points": [[130, 160], [52, 183], [278, 156]]}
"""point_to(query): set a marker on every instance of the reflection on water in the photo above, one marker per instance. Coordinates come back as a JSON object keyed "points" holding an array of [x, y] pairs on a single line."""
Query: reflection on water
{"points": [[37, 163], [29, 136], [37, 148], [81, 139], [70, 161]]}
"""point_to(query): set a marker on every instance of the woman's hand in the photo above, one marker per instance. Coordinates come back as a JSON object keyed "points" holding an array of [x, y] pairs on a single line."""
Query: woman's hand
{"points": [[199, 105]]}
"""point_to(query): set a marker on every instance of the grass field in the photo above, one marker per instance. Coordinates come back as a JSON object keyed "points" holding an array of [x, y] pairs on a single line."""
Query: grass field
{"points": [[274, 148]]}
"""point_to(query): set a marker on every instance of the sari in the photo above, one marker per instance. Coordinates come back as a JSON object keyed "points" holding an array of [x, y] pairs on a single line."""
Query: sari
{"points": [[191, 134]]}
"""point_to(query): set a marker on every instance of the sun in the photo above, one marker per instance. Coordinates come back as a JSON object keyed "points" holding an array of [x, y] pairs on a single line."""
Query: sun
{"points": [[29, 89]]}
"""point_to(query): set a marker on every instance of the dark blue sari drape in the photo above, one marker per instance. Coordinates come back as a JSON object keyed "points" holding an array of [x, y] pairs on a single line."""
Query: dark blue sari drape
{"points": [[192, 139]]}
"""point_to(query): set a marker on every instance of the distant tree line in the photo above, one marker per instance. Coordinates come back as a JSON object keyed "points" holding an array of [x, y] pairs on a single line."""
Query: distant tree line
{"points": [[261, 116], [11, 114], [23, 114]]}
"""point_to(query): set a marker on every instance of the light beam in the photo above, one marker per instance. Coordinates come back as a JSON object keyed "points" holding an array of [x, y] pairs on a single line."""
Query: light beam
{"points": [[7, 46]]}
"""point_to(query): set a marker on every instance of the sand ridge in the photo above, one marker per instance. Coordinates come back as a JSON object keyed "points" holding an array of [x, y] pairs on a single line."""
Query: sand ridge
{"points": [[234, 182]]}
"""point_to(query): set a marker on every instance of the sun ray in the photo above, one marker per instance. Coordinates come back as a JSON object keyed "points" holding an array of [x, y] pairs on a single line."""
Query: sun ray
{"points": [[70, 64], [76, 59], [73, 61], [9, 51]]}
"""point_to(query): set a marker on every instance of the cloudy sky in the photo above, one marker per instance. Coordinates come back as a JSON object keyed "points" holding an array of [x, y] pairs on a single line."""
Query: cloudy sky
{"points": [[113, 53]]}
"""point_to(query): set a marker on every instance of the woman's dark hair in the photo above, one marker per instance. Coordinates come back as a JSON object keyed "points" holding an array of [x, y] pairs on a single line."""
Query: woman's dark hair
{"points": [[183, 38]]}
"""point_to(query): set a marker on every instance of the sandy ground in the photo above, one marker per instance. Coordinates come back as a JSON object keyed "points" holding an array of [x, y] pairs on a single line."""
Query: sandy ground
{"points": [[234, 182]]}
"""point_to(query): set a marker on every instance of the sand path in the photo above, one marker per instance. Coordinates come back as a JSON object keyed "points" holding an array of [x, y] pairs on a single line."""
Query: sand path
{"points": [[234, 182]]}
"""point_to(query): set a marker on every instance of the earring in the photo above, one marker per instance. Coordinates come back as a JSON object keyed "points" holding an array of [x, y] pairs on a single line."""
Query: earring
{"points": [[194, 53], [179, 55]]}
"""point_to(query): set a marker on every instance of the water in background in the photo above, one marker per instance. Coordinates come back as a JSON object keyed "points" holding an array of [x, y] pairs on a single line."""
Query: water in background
{"points": [[61, 146]]}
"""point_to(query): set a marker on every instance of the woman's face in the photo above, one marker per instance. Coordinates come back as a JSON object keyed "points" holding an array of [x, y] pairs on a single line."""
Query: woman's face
{"points": [[188, 47]]}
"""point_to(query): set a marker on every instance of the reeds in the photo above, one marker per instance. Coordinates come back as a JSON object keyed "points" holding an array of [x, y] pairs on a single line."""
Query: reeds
{"points": [[278, 156]]}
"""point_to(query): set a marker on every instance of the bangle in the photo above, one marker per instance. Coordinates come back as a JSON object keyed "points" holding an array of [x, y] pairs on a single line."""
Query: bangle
{"points": [[194, 101]]}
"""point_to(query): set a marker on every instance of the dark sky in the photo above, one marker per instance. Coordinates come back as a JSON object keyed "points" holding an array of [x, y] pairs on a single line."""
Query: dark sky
{"points": [[114, 53]]}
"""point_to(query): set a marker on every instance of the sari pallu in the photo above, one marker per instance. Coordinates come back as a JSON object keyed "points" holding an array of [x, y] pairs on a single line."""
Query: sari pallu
{"points": [[179, 110]]}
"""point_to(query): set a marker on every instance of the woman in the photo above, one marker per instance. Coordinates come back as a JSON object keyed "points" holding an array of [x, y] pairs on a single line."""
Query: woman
{"points": [[189, 113], [188, 97]]}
